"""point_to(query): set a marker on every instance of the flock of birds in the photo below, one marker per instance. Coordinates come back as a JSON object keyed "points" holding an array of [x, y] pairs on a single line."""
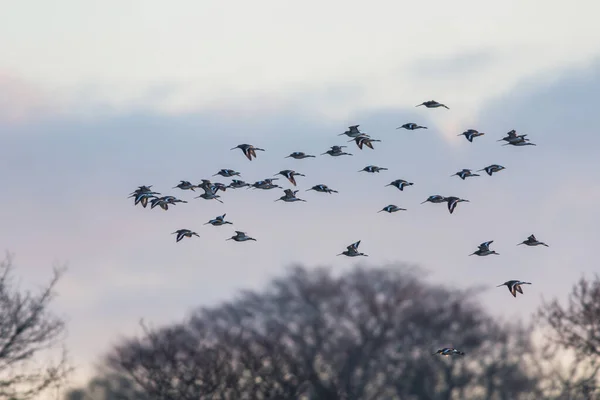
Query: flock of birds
{"points": [[144, 195]]}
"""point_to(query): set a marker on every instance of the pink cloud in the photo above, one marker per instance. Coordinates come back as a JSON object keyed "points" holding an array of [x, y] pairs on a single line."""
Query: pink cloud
{"points": [[21, 100]]}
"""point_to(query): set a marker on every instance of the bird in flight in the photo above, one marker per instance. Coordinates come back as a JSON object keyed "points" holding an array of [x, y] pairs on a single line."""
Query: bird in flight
{"points": [[470, 134], [227, 173], [372, 169], [353, 132], [391, 208], [464, 173], [452, 203], [336, 151], [289, 174], [490, 169], [411, 126], [432, 104], [400, 184], [289, 196], [240, 237], [434, 198], [298, 155], [352, 251], [322, 188], [218, 221], [448, 351], [532, 241], [248, 149], [514, 286], [484, 249], [181, 233], [364, 140]]}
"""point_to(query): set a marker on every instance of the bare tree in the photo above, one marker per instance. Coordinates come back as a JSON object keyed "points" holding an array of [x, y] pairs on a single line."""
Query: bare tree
{"points": [[369, 334], [27, 330], [575, 328]]}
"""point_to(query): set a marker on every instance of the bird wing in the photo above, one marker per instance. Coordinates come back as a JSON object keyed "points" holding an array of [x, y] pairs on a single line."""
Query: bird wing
{"points": [[354, 246]]}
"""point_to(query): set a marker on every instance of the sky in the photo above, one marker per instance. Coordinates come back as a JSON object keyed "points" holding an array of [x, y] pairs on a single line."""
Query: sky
{"points": [[99, 98]]}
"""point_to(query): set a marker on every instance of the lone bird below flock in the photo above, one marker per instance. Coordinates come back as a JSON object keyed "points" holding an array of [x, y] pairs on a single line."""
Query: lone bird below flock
{"points": [[411, 126], [241, 237], [532, 241], [490, 169], [298, 155], [464, 173], [289, 174], [322, 188], [352, 251], [432, 104], [469, 134], [181, 233], [447, 351], [484, 249], [248, 149], [453, 201], [372, 169], [336, 151], [400, 184], [218, 221], [391, 208], [289, 196], [514, 286]]}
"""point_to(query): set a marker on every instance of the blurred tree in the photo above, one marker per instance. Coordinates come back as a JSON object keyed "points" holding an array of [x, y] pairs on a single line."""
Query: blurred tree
{"points": [[368, 334], [575, 327], [27, 329], [107, 386]]}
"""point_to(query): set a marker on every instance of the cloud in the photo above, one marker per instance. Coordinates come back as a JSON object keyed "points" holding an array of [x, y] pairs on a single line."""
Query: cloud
{"points": [[454, 66], [21, 100]]}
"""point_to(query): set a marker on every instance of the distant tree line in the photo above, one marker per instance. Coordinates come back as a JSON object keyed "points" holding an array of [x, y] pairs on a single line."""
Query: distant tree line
{"points": [[368, 334]]}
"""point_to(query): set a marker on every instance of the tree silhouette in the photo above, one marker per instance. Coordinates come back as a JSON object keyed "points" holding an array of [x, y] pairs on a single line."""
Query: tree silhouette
{"points": [[27, 328], [575, 327], [368, 334]]}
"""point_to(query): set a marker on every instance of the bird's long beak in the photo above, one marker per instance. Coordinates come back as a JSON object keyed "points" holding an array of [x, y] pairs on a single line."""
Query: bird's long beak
{"points": [[499, 140], [500, 285], [323, 154], [424, 202], [233, 148]]}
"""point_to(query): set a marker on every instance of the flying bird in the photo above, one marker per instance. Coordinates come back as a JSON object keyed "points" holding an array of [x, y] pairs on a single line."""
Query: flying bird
{"points": [[484, 249], [352, 131], [165, 201], [289, 196], [532, 241], [240, 237], [142, 194], [372, 169], [289, 174], [352, 251], [490, 169], [446, 351], [511, 136], [322, 188], [265, 184], [298, 155], [435, 198], [514, 286], [464, 173], [336, 151], [411, 126], [520, 142], [185, 185], [236, 184], [209, 196], [471, 133], [218, 221], [432, 104], [248, 149], [453, 202], [364, 140], [227, 173], [400, 184], [391, 208], [181, 233]]}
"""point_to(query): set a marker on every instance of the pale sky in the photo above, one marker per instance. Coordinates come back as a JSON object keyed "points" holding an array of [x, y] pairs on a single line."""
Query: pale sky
{"points": [[98, 98]]}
